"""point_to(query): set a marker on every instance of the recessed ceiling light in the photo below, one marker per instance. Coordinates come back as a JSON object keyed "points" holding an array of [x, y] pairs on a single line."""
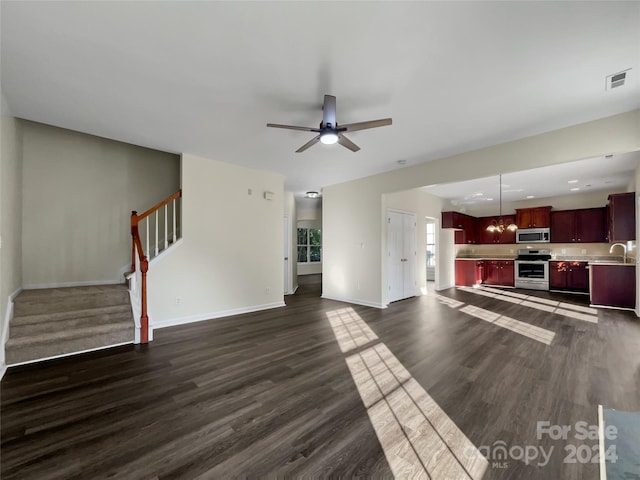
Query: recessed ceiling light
{"points": [[489, 199], [312, 195], [531, 196], [609, 156], [402, 162], [478, 194], [575, 189], [573, 181]]}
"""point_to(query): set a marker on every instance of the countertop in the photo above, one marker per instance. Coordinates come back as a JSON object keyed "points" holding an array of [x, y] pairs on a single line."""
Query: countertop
{"points": [[613, 264], [483, 257], [591, 260]]}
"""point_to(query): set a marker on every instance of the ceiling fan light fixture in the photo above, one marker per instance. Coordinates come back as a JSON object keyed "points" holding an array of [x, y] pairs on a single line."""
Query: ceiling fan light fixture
{"points": [[329, 138]]}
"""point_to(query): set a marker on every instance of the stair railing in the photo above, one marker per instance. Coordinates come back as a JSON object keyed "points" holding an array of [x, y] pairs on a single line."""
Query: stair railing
{"points": [[140, 257]]}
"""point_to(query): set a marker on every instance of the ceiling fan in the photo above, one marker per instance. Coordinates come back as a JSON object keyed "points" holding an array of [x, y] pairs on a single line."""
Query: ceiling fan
{"points": [[329, 131]]}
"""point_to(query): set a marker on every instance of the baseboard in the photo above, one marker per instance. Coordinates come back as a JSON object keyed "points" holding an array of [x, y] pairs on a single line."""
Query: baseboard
{"points": [[355, 301], [445, 287], [213, 315], [91, 283], [70, 354], [628, 309], [5, 330], [292, 292]]}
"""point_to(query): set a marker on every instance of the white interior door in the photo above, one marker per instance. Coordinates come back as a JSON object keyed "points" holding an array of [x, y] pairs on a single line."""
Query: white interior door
{"points": [[401, 253], [395, 270], [287, 254], [410, 255]]}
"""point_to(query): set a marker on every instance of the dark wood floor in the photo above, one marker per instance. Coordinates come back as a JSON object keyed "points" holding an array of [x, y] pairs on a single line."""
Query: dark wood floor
{"points": [[269, 393]]}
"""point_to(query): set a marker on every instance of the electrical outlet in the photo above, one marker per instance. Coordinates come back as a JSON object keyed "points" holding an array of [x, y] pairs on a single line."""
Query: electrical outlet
{"points": [[511, 250], [178, 300], [267, 290], [583, 251], [563, 251]]}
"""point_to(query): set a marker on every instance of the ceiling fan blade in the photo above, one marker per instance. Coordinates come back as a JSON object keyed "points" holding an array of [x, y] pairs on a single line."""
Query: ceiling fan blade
{"points": [[310, 143], [352, 127], [329, 111], [345, 142], [293, 127]]}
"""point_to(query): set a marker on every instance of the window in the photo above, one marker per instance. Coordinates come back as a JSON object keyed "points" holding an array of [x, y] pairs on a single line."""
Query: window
{"points": [[309, 245], [431, 244]]}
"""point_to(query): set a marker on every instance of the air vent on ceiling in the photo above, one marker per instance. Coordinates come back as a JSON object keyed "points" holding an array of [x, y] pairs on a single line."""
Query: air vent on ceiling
{"points": [[617, 79]]}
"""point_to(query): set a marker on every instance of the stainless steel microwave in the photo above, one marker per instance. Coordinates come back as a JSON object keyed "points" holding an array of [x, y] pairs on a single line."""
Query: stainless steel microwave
{"points": [[533, 235]]}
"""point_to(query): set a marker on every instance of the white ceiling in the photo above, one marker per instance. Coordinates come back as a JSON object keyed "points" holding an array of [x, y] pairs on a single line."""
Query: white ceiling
{"points": [[205, 77], [595, 174]]}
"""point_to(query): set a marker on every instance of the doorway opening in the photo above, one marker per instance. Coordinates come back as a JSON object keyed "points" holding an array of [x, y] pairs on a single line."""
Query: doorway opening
{"points": [[431, 239]]}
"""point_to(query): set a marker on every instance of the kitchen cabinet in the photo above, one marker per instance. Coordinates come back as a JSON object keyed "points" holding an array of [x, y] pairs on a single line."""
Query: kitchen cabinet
{"points": [[622, 213], [485, 237], [586, 225], [465, 226], [613, 285], [571, 276], [499, 272], [537, 217], [469, 272]]}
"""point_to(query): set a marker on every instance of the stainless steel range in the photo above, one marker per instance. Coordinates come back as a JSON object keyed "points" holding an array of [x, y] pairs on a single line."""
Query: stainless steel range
{"points": [[532, 269]]}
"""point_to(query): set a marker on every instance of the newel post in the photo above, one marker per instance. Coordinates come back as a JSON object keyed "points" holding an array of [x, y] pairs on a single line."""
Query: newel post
{"points": [[144, 319], [134, 227]]}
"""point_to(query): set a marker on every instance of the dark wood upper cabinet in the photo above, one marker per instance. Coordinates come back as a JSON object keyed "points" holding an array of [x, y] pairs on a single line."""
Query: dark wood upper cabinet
{"points": [[537, 217], [563, 226], [483, 236], [622, 212], [591, 225], [585, 225], [464, 224]]}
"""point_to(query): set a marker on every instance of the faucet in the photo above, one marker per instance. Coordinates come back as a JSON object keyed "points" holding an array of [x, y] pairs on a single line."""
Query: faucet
{"points": [[624, 248]]}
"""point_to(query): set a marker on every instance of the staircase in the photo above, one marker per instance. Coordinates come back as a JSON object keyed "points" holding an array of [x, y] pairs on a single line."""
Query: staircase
{"points": [[58, 321]]}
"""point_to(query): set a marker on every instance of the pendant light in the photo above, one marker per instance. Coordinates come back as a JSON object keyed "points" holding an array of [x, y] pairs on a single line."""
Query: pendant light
{"points": [[499, 226]]}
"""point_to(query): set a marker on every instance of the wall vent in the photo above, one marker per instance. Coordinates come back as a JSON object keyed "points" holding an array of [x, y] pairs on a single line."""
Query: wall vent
{"points": [[616, 80]]}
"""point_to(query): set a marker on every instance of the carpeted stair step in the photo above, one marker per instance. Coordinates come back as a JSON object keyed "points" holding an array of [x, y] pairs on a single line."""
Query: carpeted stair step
{"points": [[86, 320], [58, 316], [59, 321], [51, 344], [53, 300]]}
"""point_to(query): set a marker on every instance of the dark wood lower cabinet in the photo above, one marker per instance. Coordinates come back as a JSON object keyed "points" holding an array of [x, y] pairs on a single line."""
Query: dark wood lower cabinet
{"points": [[468, 272], [613, 285], [499, 272], [570, 276]]}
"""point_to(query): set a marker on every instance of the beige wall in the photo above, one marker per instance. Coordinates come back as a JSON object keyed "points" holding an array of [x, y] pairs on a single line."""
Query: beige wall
{"points": [[78, 194], [230, 259], [10, 214], [353, 215]]}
